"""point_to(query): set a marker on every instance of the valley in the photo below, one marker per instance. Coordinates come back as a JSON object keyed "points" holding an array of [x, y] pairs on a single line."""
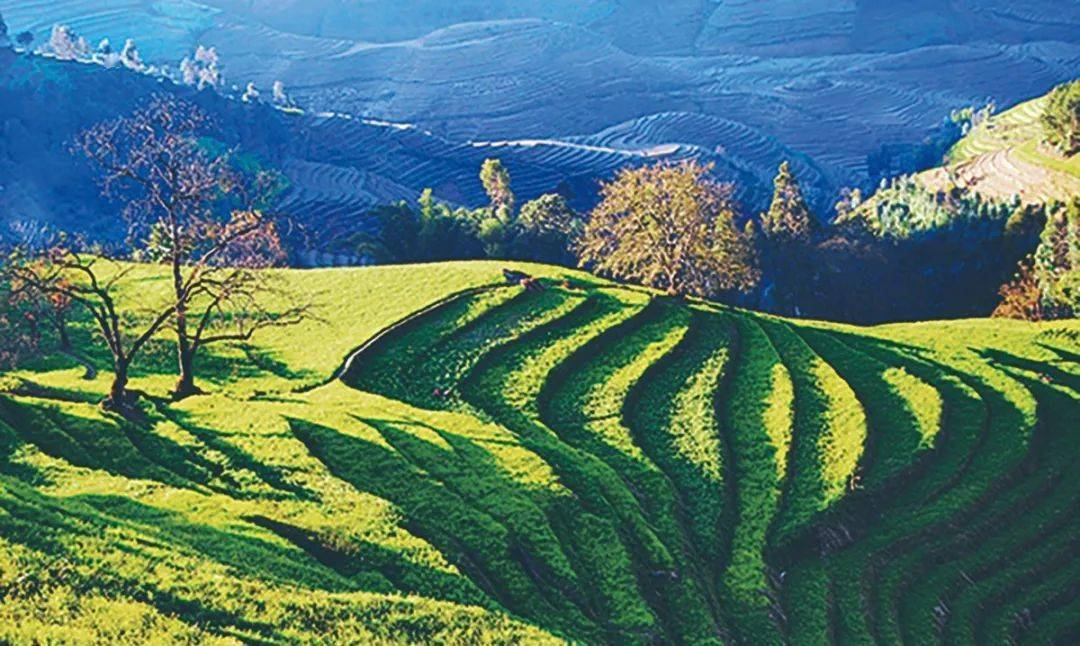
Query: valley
{"points": [[743, 84]]}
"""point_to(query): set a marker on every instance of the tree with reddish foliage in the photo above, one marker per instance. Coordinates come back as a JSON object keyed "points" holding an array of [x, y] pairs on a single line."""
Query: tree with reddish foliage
{"points": [[21, 336], [1020, 297], [27, 314], [63, 274], [201, 216]]}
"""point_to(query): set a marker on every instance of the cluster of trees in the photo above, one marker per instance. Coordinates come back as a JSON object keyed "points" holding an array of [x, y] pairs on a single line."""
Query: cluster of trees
{"points": [[1047, 282], [66, 45], [195, 213], [907, 253], [1061, 118], [542, 229], [202, 69]]}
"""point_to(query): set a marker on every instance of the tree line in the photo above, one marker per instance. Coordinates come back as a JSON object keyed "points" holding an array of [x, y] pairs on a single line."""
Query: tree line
{"points": [[905, 253]]}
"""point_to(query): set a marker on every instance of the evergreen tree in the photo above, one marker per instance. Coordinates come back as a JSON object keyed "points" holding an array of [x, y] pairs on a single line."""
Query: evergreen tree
{"points": [[1061, 118], [789, 216], [785, 246], [496, 181], [427, 205], [24, 38]]}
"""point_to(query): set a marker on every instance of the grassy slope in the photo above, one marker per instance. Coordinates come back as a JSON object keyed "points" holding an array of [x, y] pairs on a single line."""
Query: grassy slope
{"points": [[603, 470]]}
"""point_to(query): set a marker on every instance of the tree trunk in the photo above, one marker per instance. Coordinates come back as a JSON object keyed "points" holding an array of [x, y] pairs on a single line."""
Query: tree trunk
{"points": [[185, 385], [118, 399], [185, 353], [62, 332]]}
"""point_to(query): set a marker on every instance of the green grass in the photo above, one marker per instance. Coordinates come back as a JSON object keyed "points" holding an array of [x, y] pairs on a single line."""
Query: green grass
{"points": [[759, 423], [1013, 127], [673, 414], [830, 429], [609, 465]]}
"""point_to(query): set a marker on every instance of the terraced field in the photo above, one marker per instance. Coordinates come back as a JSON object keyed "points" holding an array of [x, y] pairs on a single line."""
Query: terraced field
{"points": [[745, 85], [589, 463], [1004, 157]]}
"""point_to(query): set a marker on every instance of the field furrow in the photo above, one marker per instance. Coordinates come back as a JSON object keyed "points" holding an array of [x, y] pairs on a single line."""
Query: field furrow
{"points": [[829, 434], [757, 416], [673, 412], [584, 407], [616, 546], [583, 463]]}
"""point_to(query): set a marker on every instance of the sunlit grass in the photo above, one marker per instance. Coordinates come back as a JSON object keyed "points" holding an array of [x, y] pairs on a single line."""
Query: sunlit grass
{"points": [[600, 464]]}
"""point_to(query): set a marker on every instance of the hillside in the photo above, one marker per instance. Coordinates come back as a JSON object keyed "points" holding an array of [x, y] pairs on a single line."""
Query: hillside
{"points": [[823, 83], [1005, 157], [598, 464], [335, 166]]}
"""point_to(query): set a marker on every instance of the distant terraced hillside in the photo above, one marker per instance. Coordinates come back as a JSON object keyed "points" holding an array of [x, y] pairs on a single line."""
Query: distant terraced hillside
{"points": [[336, 166], [1005, 157], [822, 82], [587, 463]]}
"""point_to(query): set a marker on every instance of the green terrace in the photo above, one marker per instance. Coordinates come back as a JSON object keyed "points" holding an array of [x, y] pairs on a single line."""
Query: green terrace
{"points": [[439, 455]]}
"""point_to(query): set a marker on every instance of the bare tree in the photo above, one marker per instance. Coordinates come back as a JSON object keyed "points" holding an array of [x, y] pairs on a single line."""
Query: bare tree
{"points": [[66, 45], [198, 214], [201, 69], [231, 297], [129, 56], [668, 226], [62, 273]]}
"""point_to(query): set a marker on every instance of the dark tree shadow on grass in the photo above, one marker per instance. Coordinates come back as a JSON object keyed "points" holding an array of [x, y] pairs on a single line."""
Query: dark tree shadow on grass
{"points": [[276, 477], [431, 511], [266, 362], [55, 528], [378, 568], [493, 557], [219, 364], [252, 556], [1046, 370], [133, 449], [118, 446]]}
